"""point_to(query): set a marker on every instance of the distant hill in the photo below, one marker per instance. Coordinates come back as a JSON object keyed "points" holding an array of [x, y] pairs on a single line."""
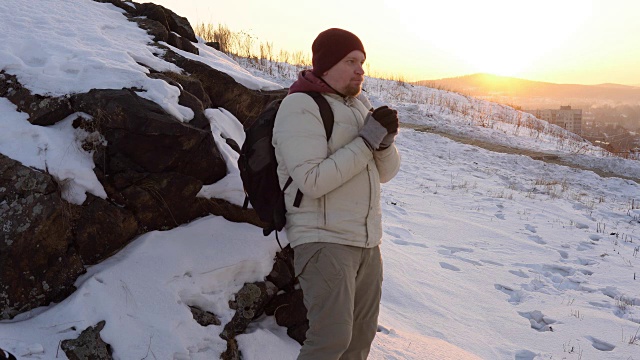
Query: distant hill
{"points": [[530, 93]]}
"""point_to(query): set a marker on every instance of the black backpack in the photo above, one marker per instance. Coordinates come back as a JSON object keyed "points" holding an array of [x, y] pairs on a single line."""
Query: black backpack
{"points": [[258, 166]]}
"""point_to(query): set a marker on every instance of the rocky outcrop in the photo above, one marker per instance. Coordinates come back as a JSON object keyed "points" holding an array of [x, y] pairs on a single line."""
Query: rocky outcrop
{"points": [[278, 296], [161, 23], [224, 91], [151, 166]]}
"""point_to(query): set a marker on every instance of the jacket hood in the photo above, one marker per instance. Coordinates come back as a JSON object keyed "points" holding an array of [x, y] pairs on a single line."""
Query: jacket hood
{"points": [[307, 81]]}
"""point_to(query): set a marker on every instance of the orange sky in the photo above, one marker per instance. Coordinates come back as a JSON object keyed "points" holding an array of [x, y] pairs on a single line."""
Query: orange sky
{"points": [[562, 41]]}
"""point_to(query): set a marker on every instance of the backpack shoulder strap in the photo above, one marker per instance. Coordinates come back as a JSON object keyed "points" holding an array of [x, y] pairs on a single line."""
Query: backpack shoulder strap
{"points": [[325, 111], [327, 119]]}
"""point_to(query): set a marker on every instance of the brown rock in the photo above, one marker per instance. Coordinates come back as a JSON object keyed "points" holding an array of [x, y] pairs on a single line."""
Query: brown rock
{"points": [[249, 304], [224, 91], [38, 264], [168, 18], [154, 28], [204, 318], [101, 229], [140, 133], [42, 110], [163, 201], [88, 346]]}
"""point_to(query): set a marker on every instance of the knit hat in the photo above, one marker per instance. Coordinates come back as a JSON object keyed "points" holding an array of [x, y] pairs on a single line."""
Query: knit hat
{"points": [[331, 46]]}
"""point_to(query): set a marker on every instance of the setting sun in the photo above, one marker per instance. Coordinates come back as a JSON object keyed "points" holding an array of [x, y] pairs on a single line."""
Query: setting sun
{"points": [[569, 41], [498, 37]]}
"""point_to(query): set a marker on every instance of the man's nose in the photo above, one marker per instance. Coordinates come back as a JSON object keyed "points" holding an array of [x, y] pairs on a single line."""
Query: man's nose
{"points": [[359, 69]]}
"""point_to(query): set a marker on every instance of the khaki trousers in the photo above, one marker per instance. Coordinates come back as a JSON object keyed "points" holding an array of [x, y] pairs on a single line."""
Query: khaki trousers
{"points": [[342, 286]]}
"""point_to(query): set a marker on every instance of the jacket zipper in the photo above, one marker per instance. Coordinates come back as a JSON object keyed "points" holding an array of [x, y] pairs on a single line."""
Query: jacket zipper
{"points": [[324, 208]]}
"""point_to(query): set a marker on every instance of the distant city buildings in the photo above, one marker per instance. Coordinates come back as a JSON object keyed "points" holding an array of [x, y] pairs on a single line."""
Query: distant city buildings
{"points": [[565, 117]]}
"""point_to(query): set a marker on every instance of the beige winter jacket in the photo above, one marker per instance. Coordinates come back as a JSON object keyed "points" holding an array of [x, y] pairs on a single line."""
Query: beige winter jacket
{"points": [[340, 181]]}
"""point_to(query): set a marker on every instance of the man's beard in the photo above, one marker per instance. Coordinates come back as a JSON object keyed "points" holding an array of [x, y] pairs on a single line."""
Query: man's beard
{"points": [[351, 90]]}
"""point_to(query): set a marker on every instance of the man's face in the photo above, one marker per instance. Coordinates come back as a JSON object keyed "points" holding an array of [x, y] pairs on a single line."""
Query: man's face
{"points": [[347, 75]]}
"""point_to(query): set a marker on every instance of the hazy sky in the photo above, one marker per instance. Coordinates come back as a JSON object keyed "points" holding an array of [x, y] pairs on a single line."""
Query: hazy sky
{"points": [[562, 41]]}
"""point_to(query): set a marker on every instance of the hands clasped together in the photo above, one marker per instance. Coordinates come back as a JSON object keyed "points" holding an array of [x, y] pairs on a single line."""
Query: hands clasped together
{"points": [[380, 128]]}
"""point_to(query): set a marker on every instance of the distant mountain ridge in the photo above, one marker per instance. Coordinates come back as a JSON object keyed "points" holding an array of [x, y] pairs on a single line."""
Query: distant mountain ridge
{"points": [[488, 85]]}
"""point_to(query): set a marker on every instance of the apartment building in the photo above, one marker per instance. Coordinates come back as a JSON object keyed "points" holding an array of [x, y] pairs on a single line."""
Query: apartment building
{"points": [[565, 117]]}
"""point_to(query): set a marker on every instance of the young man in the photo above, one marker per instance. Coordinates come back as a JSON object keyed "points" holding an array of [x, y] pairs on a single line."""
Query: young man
{"points": [[337, 229]]}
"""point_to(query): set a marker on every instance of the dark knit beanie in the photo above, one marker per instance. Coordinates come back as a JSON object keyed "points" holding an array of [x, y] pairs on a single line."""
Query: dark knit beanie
{"points": [[331, 46]]}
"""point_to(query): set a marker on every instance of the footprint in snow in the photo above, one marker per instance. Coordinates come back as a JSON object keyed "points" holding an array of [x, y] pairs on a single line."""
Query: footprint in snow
{"points": [[398, 232], [600, 344], [490, 262], [385, 330], [530, 228], [450, 250], [582, 226], [500, 216], [397, 211], [515, 297], [537, 239], [564, 254], [408, 243], [472, 262], [586, 262], [584, 246], [538, 320], [519, 273], [444, 265], [525, 355]]}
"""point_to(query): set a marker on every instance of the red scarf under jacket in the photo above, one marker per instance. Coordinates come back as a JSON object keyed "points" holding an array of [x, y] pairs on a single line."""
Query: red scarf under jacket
{"points": [[307, 81]]}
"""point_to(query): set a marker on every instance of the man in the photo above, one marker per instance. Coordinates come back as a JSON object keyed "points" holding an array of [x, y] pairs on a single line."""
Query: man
{"points": [[337, 228]]}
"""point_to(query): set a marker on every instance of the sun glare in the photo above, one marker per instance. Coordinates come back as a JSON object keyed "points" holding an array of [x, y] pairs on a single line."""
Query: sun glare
{"points": [[494, 36]]}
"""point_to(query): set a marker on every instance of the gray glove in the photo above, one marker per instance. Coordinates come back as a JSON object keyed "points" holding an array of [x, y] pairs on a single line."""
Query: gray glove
{"points": [[372, 132], [387, 140]]}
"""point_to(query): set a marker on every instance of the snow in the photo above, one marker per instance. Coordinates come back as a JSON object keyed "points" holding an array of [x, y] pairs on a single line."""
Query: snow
{"points": [[226, 126], [99, 49], [222, 62], [56, 149], [487, 255]]}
